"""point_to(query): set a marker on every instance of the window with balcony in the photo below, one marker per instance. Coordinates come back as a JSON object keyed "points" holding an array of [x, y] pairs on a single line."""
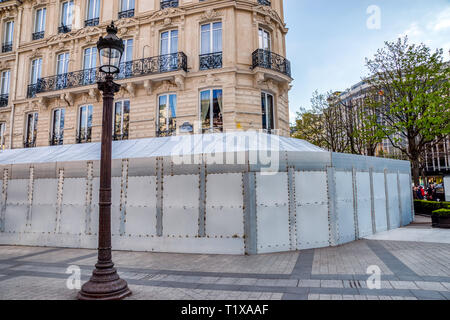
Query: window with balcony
{"points": [[85, 124], [2, 136], [168, 50], [4, 94], [168, 4], [126, 67], [126, 9], [121, 120], [58, 127], [267, 110], [211, 110], [211, 46], [265, 2], [36, 69], [93, 13], [39, 23], [167, 115], [62, 68], [31, 130], [8, 36], [66, 17], [89, 65]]}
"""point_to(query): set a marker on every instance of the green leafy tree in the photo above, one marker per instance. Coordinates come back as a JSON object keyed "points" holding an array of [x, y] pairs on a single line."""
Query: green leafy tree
{"points": [[411, 96], [322, 125]]}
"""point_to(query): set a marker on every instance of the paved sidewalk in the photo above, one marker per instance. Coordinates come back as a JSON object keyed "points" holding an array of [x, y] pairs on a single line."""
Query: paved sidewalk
{"points": [[410, 270]]}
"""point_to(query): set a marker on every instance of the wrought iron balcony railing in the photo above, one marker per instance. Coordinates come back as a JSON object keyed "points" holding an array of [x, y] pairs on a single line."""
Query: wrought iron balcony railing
{"points": [[4, 99], [166, 133], [31, 91], [269, 60], [65, 29], [211, 61], [84, 137], [91, 22], [38, 35], [7, 47], [265, 2], [137, 68], [120, 137], [126, 14], [31, 143], [169, 4], [57, 140]]}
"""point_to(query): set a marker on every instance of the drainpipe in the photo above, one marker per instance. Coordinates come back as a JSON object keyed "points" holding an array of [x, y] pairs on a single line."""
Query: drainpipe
{"points": [[16, 69]]}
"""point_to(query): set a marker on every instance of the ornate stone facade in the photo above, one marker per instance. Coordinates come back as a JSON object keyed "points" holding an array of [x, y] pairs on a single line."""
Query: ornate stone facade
{"points": [[230, 52]]}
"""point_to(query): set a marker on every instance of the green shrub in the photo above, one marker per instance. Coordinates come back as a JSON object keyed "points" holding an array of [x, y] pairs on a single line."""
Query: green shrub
{"points": [[427, 207], [442, 213]]}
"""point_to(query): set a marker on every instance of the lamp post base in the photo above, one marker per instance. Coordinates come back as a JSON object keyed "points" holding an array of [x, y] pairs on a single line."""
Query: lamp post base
{"points": [[105, 284]]}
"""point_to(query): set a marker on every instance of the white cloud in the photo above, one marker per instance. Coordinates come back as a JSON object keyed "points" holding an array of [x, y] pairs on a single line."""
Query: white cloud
{"points": [[433, 30], [442, 21]]}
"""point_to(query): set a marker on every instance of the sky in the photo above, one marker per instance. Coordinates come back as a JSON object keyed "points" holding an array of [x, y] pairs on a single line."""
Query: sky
{"points": [[328, 40]]}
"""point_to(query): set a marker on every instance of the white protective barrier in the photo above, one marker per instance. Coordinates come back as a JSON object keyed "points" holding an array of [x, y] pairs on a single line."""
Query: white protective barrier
{"points": [[310, 199]]}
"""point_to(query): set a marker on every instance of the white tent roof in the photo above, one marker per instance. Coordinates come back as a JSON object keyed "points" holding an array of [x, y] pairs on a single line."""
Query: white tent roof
{"points": [[160, 147]]}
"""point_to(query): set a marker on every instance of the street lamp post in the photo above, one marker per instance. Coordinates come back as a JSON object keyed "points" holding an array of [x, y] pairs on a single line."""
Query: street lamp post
{"points": [[105, 283]]}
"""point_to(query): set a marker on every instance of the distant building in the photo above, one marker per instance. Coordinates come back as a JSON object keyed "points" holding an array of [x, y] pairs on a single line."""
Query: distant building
{"points": [[437, 157]]}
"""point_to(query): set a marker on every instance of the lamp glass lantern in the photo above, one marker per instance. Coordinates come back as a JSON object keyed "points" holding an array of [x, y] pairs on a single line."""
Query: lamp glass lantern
{"points": [[111, 50]]}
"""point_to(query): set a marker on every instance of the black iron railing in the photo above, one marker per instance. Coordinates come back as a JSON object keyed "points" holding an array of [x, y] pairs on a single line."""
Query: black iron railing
{"points": [[31, 91], [120, 137], [4, 99], [126, 14], [166, 133], [91, 22], [169, 4], [7, 47], [265, 2], [38, 35], [31, 143], [57, 140], [269, 60], [131, 69], [211, 61], [84, 137], [65, 29]]}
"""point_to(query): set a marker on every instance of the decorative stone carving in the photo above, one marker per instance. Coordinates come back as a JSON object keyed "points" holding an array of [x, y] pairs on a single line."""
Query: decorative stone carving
{"points": [[131, 88], [210, 14], [148, 86], [179, 81]]}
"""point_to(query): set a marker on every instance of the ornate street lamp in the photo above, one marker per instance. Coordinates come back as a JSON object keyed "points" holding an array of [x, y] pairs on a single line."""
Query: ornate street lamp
{"points": [[105, 283]]}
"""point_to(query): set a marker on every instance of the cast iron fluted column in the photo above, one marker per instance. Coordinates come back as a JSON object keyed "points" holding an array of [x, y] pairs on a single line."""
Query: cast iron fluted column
{"points": [[105, 283]]}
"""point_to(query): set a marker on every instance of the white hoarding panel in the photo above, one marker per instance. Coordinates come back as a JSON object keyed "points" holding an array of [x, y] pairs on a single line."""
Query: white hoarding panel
{"points": [[344, 207], [43, 218], [405, 197], [16, 218], [72, 219], [311, 194], [45, 191], [272, 212], [447, 188], [224, 205], [17, 191], [379, 194], [180, 206], [71, 197], [364, 204], [394, 209], [141, 206]]}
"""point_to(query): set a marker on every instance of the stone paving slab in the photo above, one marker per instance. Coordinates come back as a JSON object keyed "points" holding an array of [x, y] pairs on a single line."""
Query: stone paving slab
{"points": [[40, 273], [352, 258]]}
